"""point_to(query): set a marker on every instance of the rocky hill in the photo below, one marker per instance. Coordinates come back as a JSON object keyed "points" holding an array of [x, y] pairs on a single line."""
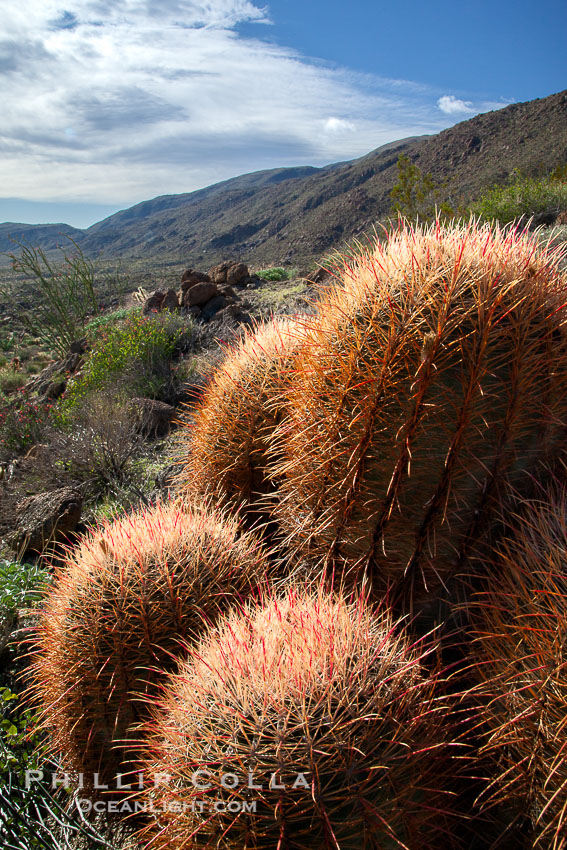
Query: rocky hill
{"points": [[45, 236], [297, 214]]}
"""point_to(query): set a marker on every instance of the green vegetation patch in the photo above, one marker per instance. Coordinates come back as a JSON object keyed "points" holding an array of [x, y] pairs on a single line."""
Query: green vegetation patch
{"points": [[524, 196], [134, 354], [277, 273]]}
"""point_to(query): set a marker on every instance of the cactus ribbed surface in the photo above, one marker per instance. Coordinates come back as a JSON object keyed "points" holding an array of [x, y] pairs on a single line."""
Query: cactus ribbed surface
{"points": [[225, 445], [323, 707], [115, 616], [434, 379], [520, 628]]}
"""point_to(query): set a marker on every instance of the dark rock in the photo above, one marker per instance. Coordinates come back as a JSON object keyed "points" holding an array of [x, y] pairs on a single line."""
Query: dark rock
{"points": [[45, 518], [233, 314], [199, 294], [320, 276], [170, 301], [213, 306], [193, 311], [228, 291], [190, 276], [79, 346], [153, 418], [153, 303], [55, 390], [218, 273], [236, 274]]}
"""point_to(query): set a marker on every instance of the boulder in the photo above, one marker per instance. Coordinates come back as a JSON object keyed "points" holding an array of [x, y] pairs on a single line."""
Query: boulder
{"points": [[153, 418], [213, 306], [55, 390], [236, 274], [199, 294], [228, 291], [230, 273], [153, 303], [193, 311], [190, 276], [170, 301], [45, 518], [218, 273]]}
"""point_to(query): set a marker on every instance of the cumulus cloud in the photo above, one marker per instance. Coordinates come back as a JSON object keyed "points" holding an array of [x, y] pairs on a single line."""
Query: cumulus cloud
{"points": [[115, 101], [338, 125], [451, 105]]}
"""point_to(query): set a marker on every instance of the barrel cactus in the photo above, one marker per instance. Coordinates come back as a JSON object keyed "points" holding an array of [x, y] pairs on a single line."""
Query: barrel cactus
{"points": [[520, 628], [307, 721], [433, 381], [115, 616], [225, 445]]}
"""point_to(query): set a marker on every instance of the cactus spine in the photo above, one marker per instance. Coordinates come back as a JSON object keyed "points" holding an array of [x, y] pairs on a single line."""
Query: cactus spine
{"points": [[520, 624], [224, 448], [433, 380], [115, 617], [321, 706]]}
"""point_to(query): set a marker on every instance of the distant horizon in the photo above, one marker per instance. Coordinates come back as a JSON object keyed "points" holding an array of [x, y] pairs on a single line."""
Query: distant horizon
{"points": [[107, 104]]}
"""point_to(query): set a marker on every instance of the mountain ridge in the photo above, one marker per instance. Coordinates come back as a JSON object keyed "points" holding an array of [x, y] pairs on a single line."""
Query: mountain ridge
{"points": [[296, 214]]}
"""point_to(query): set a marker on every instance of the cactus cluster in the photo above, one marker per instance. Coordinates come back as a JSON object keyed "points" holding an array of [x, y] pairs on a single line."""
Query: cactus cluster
{"points": [[310, 722], [415, 414], [113, 621]]}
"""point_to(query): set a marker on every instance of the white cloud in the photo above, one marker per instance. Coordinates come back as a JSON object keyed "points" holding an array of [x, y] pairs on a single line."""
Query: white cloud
{"points": [[451, 105], [338, 125], [115, 101]]}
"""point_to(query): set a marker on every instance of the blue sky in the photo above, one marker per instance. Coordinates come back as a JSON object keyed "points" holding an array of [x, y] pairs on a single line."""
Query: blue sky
{"points": [[109, 102]]}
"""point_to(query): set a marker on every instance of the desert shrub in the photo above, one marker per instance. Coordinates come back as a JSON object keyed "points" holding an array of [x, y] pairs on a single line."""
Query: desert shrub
{"points": [[134, 355], [433, 380], [93, 327], [98, 442], [22, 424], [416, 195], [523, 197], [114, 618], [21, 584], [34, 815], [11, 380], [326, 699], [276, 273], [66, 294]]}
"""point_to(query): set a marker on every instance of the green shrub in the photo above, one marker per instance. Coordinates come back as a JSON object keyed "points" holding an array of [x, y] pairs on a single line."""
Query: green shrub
{"points": [[21, 585], [134, 355], [523, 196], [415, 195], [34, 816], [277, 273], [93, 327]]}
